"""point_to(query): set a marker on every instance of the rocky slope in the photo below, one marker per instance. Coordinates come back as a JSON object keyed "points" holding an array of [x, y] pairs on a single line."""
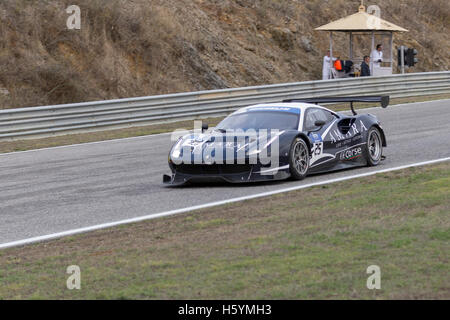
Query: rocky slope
{"points": [[144, 47]]}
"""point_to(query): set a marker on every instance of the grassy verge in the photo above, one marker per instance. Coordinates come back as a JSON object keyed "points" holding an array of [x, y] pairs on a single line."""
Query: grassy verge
{"points": [[313, 243], [21, 145]]}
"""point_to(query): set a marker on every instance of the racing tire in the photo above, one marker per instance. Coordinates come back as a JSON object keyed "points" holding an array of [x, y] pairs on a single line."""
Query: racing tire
{"points": [[298, 159], [374, 150]]}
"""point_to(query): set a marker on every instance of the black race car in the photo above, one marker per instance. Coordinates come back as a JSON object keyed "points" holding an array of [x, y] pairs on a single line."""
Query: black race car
{"points": [[278, 141]]}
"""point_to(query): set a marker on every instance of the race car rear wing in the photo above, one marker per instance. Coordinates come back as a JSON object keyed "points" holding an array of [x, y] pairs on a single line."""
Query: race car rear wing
{"points": [[384, 100]]}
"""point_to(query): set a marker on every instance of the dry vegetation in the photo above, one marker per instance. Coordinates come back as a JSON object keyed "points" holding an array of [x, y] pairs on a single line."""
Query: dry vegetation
{"points": [[144, 47]]}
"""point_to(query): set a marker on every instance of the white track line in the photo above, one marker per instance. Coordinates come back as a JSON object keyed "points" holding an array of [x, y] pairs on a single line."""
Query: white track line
{"points": [[207, 205], [86, 143], [167, 133]]}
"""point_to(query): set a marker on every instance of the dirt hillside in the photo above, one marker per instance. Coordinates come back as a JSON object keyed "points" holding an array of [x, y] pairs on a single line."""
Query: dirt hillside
{"points": [[129, 48]]}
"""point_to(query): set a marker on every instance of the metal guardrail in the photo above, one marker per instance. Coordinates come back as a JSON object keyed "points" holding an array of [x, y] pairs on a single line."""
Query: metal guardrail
{"points": [[91, 116]]}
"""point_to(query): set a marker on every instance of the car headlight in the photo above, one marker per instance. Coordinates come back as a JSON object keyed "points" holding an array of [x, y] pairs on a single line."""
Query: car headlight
{"points": [[176, 153], [176, 150]]}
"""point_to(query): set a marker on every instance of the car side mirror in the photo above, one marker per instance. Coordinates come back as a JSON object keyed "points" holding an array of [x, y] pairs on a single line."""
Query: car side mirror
{"points": [[204, 127], [319, 123]]}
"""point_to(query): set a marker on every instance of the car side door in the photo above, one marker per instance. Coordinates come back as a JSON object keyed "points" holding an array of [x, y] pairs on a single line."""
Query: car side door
{"points": [[323, 150]]}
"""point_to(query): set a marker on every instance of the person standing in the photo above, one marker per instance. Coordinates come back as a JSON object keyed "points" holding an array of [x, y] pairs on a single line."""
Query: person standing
{"points": [[365, 69], [327, 66], [377, 56]]}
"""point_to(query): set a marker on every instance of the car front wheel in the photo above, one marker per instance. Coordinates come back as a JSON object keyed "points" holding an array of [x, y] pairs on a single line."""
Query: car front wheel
{"points": [[298, 159]]}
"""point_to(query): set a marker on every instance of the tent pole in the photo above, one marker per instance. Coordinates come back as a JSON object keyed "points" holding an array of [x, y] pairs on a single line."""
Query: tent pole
{"points": [[351, 45], [373, 48], [331, 54], [392, 53]]}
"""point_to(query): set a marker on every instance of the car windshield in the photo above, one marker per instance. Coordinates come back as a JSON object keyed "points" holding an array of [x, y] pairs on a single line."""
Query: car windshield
{"points": [[257, 120]]}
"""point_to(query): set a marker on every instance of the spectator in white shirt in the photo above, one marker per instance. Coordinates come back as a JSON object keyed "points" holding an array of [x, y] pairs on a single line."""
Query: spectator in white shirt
{"points": [[327, 66], [377, 56]]}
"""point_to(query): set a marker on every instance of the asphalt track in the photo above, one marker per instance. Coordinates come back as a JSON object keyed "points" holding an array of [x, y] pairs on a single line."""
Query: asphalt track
{"points": [[54, 190]]}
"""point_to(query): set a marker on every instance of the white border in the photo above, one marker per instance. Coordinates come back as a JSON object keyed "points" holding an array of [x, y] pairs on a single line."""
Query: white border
{"points": [[207, 205]]}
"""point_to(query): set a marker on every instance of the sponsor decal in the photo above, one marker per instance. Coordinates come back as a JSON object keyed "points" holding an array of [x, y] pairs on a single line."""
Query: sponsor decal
{"points": [[317, 149], [316, 137], [317, 153], [351, 153], [336, 135]]}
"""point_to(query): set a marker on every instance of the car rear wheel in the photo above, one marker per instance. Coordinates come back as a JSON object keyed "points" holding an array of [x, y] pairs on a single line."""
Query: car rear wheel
{"points": [[374, 147], [298, 159]]}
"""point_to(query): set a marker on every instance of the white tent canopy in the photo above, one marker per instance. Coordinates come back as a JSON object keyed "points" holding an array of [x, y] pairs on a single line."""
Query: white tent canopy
{"points": [[365, 23], [361, 21]]}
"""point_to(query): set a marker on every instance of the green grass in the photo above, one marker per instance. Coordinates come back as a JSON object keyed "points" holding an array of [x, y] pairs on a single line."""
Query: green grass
{"points": [[314, 243]]}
